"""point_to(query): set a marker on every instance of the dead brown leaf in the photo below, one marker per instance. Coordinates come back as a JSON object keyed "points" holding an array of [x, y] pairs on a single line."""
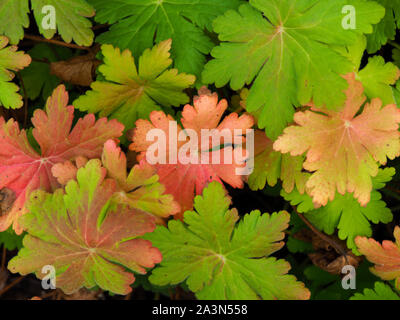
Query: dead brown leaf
{"points": [[326, 256], [78, 70], [7, 198]]}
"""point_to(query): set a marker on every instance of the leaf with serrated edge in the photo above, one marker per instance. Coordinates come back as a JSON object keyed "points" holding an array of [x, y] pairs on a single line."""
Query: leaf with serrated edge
{"points": [[10, 60], [344, 149], [386, 29], [70, 17], [345, 213], [282, 46], [138, 25], [23, 170], [130, 94], [139, 189], [381, 291], [88, 241], [269, 165], [385, 256], [185, 180], [225, 259]]}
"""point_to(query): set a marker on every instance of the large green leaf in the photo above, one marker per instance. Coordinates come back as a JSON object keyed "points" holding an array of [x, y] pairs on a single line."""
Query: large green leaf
{"points": [[221, 259], [283, 46], [345, 213]]}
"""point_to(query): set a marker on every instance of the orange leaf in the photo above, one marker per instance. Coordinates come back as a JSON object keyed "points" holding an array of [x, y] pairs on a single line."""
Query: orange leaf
{"points": [[344, 148], [385, 256]]}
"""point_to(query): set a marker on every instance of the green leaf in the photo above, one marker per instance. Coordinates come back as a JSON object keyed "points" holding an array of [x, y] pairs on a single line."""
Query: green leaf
{"points": [[37, 77], [87, 240], [10, 239], [138, 24], [386, 29], [381, 291], [295, 245], [283, 46], [71, 19], [221, 259], [345, 213], [130, 94], [13, 19], [10, 60], [377, 78], [271, 165]]}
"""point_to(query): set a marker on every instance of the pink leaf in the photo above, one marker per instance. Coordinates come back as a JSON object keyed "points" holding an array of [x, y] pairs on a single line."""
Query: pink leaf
{"points": [[22, 169]]}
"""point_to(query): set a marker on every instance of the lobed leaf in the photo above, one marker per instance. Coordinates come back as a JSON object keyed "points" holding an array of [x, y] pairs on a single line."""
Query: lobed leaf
{"points": [[345, 213], [224, 259], [130, 93], [137, 25], [71, 19], [344, 148], [88, 241], [381, 291], [10, 60], [23, 169], [281, 47], [184, 178], [385, 256]]}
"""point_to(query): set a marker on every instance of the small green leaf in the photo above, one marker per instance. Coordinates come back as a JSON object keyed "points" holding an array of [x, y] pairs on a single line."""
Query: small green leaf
{"points": [[381, 291], [10, 60], [345, 213]]}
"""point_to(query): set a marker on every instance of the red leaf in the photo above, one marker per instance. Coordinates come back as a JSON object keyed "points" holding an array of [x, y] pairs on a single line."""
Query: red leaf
{"points": [[182, 180], [23, 170]]}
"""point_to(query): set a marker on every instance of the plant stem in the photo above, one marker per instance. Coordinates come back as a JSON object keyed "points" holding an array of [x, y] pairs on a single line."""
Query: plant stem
{"points": [[56, 42], [12, 284], [334, 244], [3, 259]]}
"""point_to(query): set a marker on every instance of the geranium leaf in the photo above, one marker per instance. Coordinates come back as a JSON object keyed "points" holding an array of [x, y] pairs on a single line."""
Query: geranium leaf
{"points": [[10, 60], [344, 149], [130, 94], [225, 259], [137, 24], [270, 165], [71, 19], [385, 256], [139, 189], [22, 169], [386, 29], [185, 180], [93, 242], [377, 76], [283, 46], [381, 291], [345, 213]]}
